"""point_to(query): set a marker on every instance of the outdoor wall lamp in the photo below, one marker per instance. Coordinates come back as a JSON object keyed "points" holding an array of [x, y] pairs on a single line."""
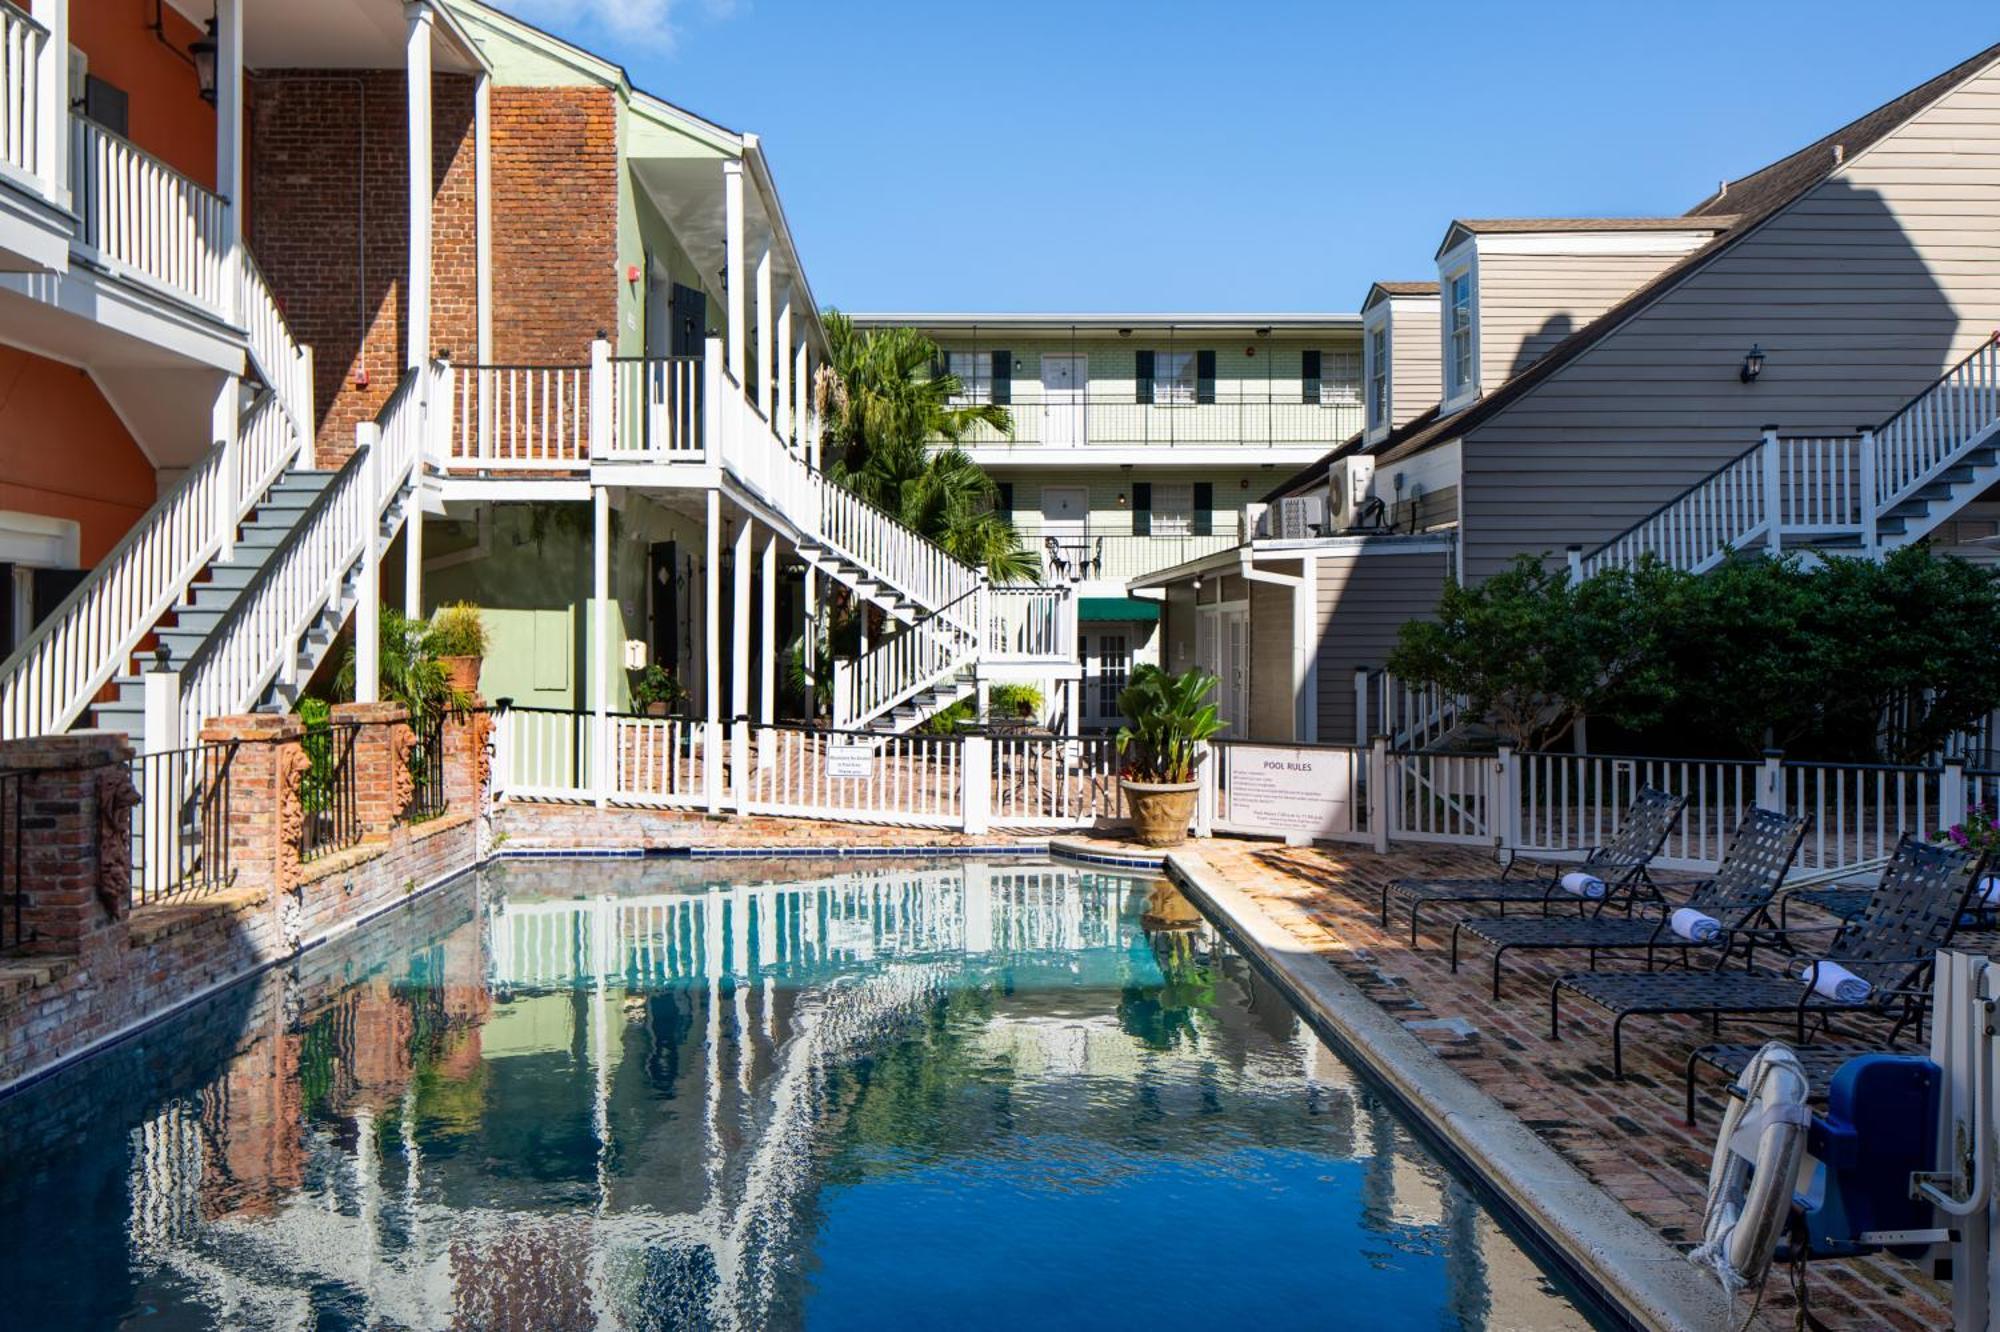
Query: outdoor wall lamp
{"points": [[1753, 364], [202, 50]]}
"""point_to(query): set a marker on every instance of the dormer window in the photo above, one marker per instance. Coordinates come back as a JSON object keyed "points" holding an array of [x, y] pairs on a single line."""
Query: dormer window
{"points": [[1458, 334], [1378, 377]]}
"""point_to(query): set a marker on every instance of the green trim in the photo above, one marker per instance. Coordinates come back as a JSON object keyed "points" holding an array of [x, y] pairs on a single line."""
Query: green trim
{"points": [[1123, 610]]}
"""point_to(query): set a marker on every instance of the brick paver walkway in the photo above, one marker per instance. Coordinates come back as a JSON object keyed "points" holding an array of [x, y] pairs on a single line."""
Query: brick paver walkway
{"points": [[1630, 1136]]}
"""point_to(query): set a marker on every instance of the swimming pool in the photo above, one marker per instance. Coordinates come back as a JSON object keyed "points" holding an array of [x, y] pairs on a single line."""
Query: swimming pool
{"points": [[672, 1094]]}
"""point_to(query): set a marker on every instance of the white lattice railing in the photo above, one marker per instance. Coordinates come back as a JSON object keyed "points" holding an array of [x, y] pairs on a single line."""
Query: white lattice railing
{"points": [[22, 41], [144, 217]]}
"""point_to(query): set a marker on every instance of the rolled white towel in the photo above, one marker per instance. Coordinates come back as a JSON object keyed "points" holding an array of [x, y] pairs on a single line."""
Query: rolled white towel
{"points": [[1694, 926], [1832, 981], [1989, 891], [1578, 884]]}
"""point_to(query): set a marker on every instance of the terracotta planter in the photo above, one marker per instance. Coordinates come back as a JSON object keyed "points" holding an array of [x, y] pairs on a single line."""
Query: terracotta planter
{"points": [[462, 673], [656, 709], [1160, 812]]}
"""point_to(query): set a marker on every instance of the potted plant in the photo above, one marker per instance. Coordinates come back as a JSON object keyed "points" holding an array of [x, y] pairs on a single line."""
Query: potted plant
{"points": [[656, 692], [458, 640], [1166, 716]]}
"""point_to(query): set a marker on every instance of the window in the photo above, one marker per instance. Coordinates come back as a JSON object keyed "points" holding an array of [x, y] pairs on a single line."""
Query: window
{"points": [[1458, 334], [1340, 381], [974, 373], [1114, 671], [1378, 377], [1173, 508], [1173, 377]]}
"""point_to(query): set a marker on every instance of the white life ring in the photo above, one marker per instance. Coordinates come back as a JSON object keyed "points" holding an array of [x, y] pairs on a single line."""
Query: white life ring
{"points": [[1756, 1163]]}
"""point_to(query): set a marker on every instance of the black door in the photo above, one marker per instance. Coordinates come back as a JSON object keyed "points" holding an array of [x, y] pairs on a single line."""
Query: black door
{"points": [[690, 320], [662, 575]]}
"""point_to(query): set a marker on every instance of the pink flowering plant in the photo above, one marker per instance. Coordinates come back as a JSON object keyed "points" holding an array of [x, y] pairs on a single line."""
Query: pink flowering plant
{"points": [[1979, 833]]}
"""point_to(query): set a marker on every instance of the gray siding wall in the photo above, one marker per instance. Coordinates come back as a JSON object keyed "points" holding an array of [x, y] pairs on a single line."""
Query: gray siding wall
{"points": [[1861, 293], [1272, 714], [1416, 375], [1527, 303], [1363, 600], [1177, 628]]}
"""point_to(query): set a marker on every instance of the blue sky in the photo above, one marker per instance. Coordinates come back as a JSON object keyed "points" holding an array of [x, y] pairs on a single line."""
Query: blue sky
{"points": [[1246, 155]]}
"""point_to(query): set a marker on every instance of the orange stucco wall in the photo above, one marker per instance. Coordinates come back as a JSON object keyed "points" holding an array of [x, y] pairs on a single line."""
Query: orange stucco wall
{"points": [[67, 455], [168, 117]]}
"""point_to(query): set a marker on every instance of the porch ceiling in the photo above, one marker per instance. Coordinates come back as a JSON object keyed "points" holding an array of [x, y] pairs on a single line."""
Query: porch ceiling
{"points": [[331, 34], [687, 191]]}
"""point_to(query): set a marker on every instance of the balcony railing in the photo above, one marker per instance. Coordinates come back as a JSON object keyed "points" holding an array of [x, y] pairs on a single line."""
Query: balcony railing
{"points": [[1090, 556], [1106, 418], [21, 43], [142, 216]]}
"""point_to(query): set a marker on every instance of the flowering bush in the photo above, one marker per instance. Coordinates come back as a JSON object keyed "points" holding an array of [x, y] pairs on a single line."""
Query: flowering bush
{"points": [[1980, 833]]}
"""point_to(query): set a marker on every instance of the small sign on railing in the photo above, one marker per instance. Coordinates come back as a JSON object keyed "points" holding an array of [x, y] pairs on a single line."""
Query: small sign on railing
{"points": [[1299, 792], [850, 762]]}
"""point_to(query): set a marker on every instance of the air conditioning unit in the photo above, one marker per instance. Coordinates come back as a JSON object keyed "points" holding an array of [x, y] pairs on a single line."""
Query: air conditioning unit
{"points": [[1299, 517], [1348, 481]]}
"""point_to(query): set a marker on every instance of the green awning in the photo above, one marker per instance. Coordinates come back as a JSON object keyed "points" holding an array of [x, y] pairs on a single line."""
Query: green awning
{"points": [[1121, 609]]}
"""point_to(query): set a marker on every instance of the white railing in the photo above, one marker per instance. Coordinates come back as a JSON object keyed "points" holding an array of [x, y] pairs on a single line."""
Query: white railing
{"points": [[1031, 623], [900, 556], [278, 358], [1723, 512], [529, 417], [1413, 717], [1819, 484], [655, 760], [1069, 556], [546, 755], [1926, 437], [142, 216], [1859, 810], [657, 407], [905, 664], [1055, 782], [1440, 797], [1104, 418], [912, 780], [1573, 802], [22, 41]]}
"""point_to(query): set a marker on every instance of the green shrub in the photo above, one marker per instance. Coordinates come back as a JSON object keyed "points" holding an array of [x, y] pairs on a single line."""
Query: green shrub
{"points": [[458, 631]]}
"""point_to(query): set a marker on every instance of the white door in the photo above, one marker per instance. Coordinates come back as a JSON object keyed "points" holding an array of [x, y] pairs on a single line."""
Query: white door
{"points": [[1064, 377], [1065, 512], [1236, 676]]}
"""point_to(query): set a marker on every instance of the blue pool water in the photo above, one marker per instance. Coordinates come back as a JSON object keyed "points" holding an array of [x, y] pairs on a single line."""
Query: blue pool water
{"points": [[667, 1095]]}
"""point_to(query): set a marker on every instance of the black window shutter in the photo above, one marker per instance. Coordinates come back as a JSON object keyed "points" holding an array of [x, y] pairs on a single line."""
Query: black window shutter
{"points": [[1005, 508], [1204, 508], [1142, 505], [938, 364], [1143, 373], [1204, 376], [1309, 376], [1003, 377]]}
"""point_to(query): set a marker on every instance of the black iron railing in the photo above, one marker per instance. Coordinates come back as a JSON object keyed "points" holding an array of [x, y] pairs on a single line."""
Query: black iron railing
{"points": [[427, 769], [327, 791], [180, 827]]}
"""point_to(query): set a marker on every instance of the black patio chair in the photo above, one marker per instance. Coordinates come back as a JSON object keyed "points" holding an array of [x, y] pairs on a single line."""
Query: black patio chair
{"points": [[1620, 862], [1820, 1062], [1909, 917], [1058, 566], [1758, 858]]}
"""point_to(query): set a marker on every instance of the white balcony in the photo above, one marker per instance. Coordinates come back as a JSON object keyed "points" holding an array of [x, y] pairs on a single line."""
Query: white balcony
{"points": [[34, 225], [1114, 426], [1093, 556]]}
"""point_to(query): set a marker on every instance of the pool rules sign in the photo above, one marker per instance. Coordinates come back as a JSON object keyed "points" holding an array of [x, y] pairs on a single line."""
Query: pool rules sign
{"points": [[1298, 792]]}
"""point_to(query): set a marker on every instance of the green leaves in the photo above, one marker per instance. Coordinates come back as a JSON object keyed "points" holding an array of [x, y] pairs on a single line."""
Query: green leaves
{"points": [[1166, 716]]}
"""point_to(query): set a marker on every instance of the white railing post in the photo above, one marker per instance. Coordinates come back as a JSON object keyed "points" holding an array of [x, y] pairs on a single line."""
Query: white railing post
{"points": [[600, 397], [368, 591], [739, 764], [1575, 554], [711, 764], [1773, 500], [1207, 776], [1951, 793], [52, 94], [711, 403], [1361, 728], [1505, 801], [1379, 781], [1771, 782], [975, 756], [443, 413], [163, 708], [1869, 541]]}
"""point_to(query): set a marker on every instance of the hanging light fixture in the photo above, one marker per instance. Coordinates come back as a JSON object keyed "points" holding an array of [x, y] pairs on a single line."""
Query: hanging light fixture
{"points": [[1753, 364], [202, 51]]}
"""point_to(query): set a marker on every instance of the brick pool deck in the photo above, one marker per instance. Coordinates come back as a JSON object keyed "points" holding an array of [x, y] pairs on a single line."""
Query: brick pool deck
{"points": [[1629, 1137]]}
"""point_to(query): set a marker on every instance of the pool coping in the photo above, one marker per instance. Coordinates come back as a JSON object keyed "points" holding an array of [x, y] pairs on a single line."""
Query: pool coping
{"points": [[1627, 1266]]}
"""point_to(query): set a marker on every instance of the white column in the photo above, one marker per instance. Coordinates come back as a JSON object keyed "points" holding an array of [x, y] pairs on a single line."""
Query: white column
{"points": [[781, 421], [765, 328], [52, 73], [482, 174], [413, 549], [225, 423], [711, 674], [417, 288], [229, 141], [732, 265], [801, 398], [368, 596], [600, 640], [739, 615], [767, 660], [1774, 508]]}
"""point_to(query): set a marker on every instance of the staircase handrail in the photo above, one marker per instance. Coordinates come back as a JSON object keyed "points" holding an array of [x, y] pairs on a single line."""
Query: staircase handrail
{"points": [[1950, 372], [50, 708], [1897, 478], [1593, 558], [275, 353], [954, 647]]}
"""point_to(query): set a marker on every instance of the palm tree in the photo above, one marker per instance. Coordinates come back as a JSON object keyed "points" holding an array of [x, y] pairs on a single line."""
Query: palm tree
{"points": [[886, 401]]}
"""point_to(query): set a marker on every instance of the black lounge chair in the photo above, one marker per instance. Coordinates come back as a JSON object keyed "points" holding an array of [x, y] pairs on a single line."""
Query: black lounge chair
{"points": [[1758, 858], [1909, 917], [1820, 1062], [1621, 863]]}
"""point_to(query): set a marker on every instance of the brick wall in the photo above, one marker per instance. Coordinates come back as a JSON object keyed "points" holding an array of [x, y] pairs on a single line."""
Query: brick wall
{"points": [[328, 163], [555, 222]]}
